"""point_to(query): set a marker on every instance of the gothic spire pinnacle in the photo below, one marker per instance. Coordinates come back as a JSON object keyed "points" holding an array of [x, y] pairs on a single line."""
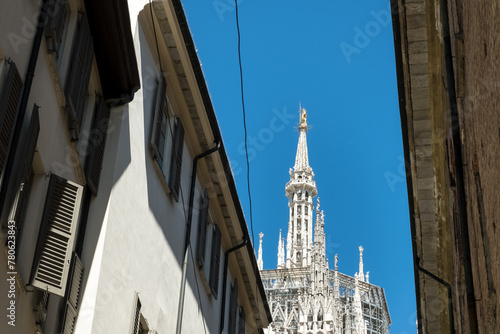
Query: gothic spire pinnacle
{"points": [[260, 262], [281, 252], [361, 275], [302, 158]]}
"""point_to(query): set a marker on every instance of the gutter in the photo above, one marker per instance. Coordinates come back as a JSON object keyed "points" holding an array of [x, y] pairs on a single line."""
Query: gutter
{"points": [[224, 282], [200, 80], [450, 299], [28, 81], [187, 240]]}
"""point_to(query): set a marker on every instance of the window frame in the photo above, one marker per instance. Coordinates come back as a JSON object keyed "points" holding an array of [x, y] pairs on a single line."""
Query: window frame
{"points": [[167, 140]]}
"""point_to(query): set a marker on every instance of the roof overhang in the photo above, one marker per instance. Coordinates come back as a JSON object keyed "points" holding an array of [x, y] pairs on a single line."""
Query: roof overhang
{"points": [[201, 122], [114, 49]]}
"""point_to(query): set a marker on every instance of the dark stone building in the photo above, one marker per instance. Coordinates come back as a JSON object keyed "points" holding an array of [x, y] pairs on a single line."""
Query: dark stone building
{"points": [[448, 81]]}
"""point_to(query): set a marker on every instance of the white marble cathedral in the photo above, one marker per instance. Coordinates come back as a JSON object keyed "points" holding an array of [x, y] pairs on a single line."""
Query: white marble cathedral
{"points": [[304, 295]]}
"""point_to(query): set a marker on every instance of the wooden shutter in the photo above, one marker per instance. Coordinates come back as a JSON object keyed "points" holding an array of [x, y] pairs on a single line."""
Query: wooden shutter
{"points": [[97, 142], [24, 178], [136, 329], [233, 306], [78, 80], [176, 162], [73, 295], [241, 320], [54, 30], [9, 105], [159, 133], [202, 228], [57, 234], [215, 261]]}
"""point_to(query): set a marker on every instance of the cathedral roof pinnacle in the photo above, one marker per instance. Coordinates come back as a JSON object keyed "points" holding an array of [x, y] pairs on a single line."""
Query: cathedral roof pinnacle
{"points": [[302, 159], [260, 262]]}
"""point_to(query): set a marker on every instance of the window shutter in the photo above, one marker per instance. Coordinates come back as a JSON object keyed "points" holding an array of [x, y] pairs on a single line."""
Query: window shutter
{"points": [[54, 30], [137, 318], [79, 75], [202, 228], [159, 133], [24, 178], [73, 295], [176, 163], [241, 320], [215, 262], [57, 234], [233, 306], [9, 105], [97, 142], [30, 145]]}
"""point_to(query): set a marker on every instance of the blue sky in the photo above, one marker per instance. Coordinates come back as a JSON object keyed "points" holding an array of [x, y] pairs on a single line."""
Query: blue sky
{"points": [[337, 59]]}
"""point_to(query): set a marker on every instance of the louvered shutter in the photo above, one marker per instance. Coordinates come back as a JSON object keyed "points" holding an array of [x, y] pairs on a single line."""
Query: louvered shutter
{"points": [[176, 162], [215, 262], [97, 142], [233, 306], [159, 133], [57, 234], [9, 106], [30, 145], [136, 329], [202, 228], [54, 30], [241, 320], [79, 75], [24, 178], [73, 295]]}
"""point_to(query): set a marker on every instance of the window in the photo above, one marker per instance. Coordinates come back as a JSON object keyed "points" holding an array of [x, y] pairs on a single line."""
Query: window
{"points": [[23, 174], [233, 306], [96, 144], [77, 82], [167, 141], [55, 28], [241, 320], [9, 105], [215, 261], [140, 325], [58, 227], [73, 295], [202, 228]]}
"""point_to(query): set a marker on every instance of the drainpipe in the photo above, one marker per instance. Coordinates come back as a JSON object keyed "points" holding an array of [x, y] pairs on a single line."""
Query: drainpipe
{"points": [[187, 241], [448, 287], [30, 73], [224, 282]]}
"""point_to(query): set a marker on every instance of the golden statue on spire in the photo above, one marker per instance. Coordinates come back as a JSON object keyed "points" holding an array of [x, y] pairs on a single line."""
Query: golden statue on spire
{"points": [[303, 118]]}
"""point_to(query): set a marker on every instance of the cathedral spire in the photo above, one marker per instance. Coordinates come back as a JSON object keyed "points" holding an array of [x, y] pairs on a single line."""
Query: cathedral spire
{"points": [[302, 158], [260, 262], [300, 190], [361, 275]]}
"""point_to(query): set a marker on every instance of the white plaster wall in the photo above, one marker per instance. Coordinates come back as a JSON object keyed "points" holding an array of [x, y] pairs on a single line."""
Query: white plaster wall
{"points": [[139, 244]]}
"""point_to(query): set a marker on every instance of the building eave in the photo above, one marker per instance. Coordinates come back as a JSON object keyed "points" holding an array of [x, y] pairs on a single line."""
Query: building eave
{"points": [[114, 49], [206, 131], [400, 73], [202, 86]]}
